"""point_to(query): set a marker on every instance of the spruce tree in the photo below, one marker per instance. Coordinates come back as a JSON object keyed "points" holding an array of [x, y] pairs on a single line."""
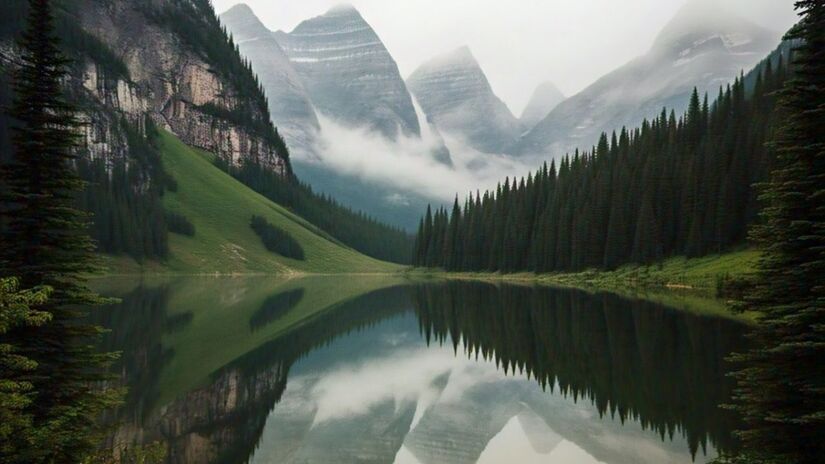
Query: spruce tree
{"points": [[781, 390], [45, 243]]}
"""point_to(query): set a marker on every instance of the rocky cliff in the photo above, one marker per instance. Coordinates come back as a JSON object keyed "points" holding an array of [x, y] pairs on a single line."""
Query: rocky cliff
{"points": [[164, 61]]}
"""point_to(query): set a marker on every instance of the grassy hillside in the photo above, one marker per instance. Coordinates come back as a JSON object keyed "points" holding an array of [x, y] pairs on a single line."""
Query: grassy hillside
{"points": [[221, 208]]}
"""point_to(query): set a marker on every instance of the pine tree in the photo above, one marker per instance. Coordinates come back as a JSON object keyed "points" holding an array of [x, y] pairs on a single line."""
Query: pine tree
{"points": [[45, 244], [781, 390]]}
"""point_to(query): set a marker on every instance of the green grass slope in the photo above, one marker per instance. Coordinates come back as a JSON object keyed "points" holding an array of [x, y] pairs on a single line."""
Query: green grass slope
{"points": [[220, 208]]}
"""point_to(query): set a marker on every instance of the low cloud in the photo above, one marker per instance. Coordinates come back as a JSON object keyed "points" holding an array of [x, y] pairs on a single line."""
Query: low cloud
{"points": [[408, 164]]}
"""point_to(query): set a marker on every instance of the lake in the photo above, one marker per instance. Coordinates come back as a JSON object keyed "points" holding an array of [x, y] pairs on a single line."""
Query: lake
{"points": [[383, 370]]}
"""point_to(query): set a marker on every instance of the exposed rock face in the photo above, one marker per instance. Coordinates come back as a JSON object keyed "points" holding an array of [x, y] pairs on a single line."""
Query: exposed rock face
{"points": [[215, 423], [164, 80], [349, 74], [455, 94], [289, 104], [546, 97], [703, 46]]}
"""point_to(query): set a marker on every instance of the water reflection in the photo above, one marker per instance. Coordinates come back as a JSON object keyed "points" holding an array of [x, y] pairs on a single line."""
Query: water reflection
{"points": [[377, 370]]}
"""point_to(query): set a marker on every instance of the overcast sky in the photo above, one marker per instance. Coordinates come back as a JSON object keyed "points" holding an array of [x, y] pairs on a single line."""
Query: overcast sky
{"points": [[519, 43]]}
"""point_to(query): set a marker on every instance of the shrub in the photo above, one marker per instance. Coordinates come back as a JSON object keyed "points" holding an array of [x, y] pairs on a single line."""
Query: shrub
{"points": [[276, 239], [180, 224]]}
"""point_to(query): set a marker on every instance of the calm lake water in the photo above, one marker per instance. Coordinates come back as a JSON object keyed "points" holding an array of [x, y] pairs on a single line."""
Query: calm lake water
{"points": [[376, 370]]}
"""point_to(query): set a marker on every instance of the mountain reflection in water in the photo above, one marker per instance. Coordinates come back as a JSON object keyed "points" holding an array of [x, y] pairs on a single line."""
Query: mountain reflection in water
{"points": [[379, 370]]}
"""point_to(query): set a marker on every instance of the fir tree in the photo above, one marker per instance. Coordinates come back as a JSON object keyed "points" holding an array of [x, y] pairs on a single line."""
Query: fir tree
{"points": [[45, 244], [781, 391]]}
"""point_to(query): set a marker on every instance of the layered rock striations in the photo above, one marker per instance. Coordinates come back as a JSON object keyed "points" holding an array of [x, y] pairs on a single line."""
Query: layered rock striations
{"points": [[290, 106], [349, 73], [456, 96]]}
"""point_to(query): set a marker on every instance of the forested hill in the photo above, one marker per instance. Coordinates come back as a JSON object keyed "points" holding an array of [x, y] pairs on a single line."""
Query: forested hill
{"points": [[674, 186], [141, 65]]}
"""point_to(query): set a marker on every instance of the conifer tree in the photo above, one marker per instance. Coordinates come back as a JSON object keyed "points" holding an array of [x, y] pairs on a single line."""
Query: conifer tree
{"points": [[781, 391], [45, 244]]}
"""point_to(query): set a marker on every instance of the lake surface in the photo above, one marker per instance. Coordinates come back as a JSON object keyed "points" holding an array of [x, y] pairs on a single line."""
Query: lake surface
{"points": [[380, 370]]}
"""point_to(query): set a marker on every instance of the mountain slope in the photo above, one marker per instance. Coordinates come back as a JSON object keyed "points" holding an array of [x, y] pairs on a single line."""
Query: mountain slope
{"points": [[349, 74], [134, 66], [455, 94], [546, 97], [220, 208], [702, 46], [289, 104]]}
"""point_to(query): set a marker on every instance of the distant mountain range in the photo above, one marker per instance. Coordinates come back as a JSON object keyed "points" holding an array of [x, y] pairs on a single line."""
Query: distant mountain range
{"points": [[544, 100], [699, 47], [334, 67]]}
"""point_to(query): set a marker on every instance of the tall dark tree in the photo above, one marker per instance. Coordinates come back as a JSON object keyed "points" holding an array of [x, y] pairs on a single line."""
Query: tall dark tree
{"points": [[45, 243], [781, 389]]}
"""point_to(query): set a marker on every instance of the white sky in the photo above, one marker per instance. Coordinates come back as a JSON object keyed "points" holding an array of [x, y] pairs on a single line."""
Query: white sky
{"points": [[519, 43]]}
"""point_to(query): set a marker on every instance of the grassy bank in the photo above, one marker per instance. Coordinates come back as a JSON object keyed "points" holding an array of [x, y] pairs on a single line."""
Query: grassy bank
{"points": [[220, 208], [705, 285]]}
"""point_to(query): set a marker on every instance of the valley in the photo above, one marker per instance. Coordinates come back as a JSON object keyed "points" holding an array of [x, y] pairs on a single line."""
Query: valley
{"points": [[412, 232]]}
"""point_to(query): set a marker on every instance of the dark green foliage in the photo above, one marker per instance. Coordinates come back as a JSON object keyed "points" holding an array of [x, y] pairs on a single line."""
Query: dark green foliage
{"points": [[781, 389], [669, 187], [122, 195], [180, 224], [45, 244], [124, 198], [632, 359], [275, 307], [74, 41], [276, 239], [351, 228], [15, 391]]}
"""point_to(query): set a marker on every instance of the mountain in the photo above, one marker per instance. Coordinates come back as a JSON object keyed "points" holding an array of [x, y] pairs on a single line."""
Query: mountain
{"points": [[136, 67], [289, 103], [455, 94], [332, 75], [349, 74], [703, 46], [185, 79], [546, 97]]}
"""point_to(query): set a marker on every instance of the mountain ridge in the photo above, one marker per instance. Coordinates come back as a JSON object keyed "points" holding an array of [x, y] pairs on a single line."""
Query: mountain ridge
{"points": [[688, 52], [456, 95]]}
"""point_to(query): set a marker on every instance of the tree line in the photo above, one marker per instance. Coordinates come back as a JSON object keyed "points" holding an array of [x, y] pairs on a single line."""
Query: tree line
{"points": [[669, 187], [351, 228]]}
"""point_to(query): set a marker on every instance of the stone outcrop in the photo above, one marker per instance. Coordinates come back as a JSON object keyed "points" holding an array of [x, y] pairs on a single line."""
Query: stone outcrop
{"points": [[162, 78]]}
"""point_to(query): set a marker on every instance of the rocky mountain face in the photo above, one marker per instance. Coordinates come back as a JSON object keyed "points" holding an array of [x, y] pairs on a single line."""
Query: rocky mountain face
{"points": [[544, 99], [703, 46], [290, 106], [164, 61], [456, 95], [334, 70], [349, 74]]}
